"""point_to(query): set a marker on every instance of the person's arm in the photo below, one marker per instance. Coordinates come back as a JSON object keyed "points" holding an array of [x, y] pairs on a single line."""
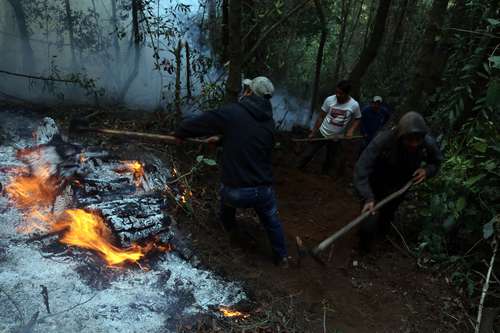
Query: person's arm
{"points": [[354, 126], [365, 166], [318, 123], [356, 113], [325, 108], [433, 161], [207, 124]]}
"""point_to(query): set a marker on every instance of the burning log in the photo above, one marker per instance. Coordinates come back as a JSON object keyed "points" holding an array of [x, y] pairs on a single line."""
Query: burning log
{"points": [[135, 219], [88, 230], [91, 203]]}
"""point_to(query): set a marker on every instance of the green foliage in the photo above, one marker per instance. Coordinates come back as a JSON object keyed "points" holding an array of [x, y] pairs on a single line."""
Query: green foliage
{"points": [[202, 159], [464, 199], [490, 228], [467, 191]]}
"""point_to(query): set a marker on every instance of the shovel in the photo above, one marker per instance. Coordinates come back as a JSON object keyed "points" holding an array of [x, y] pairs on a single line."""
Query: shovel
{"points": [[348, 227]]}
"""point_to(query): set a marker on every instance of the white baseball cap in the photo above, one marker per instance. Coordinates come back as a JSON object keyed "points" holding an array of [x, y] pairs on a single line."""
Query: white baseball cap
{"points": [[377, 99], [261, 86]]}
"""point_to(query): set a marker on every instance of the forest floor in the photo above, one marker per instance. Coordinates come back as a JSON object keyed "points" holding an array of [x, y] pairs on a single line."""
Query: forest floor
{"points": [[385, 291]]}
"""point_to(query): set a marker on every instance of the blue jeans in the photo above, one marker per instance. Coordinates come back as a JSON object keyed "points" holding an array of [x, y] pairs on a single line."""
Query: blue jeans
{"points": [[263, 200]]}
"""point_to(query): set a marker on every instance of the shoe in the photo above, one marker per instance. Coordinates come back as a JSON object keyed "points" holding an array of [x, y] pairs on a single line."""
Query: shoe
{"points": [[283, 263]]}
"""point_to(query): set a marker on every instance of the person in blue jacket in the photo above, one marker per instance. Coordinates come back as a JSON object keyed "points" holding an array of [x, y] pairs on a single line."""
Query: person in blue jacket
{"points": [[373, 118]]}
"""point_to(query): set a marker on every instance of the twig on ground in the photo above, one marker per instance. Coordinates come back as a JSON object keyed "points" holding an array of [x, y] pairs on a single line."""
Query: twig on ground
{"points": [[68, 309], [28, 328], [324, 316], [20, 314], [397, 247], [176, 180], [485, 288], [403, 240], [45, 295], [473, 247]]}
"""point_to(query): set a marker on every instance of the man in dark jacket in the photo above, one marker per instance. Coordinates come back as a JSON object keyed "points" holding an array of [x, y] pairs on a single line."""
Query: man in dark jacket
{"points": [[247, 130], [373, 119], [392, 159]]}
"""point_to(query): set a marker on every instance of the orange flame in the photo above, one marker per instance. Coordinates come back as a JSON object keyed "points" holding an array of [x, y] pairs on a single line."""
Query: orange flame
{"points": [[88, 230], [227, 312], [137, 170], [37, 192]]}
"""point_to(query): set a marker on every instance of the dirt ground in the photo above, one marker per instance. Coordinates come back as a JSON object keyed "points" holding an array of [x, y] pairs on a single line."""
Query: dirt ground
{"points": [[381, 292], [384, 291]]}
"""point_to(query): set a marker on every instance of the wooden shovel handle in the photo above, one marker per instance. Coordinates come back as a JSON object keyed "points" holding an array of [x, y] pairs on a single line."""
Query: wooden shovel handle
{"points": [[328, 138], [141, 135], [327, 242]]}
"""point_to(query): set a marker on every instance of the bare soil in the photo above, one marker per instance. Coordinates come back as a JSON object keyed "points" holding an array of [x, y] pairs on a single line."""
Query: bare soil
{"points": [[384, 291]]}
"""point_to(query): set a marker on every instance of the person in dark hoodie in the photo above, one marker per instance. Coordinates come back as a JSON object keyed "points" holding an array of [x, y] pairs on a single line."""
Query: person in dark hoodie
{"points": [[247, 129], [393, 158]]}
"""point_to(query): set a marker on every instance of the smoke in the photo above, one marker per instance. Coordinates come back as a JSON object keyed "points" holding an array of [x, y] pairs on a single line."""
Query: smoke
{"points": [[94, 47], [98, 51], [289, 111]]}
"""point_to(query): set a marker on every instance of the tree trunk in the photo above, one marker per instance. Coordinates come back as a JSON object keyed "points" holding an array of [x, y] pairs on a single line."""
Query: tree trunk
{"points": [[370, 52], [233, 84], [188, 71], [423, 72], [254, 65], [340, 44], [393, 48], [136, 35], [225, 31], [443, 50], [178, 65], [27, 51], [99, 31], [212, 22], [116, 41], [369, 22], [319, 58], [69, 26]]}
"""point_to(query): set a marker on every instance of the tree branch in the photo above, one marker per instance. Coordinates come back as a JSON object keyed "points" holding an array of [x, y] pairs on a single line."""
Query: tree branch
{"points": [[264, 35], [43, 78], [485, 289]]}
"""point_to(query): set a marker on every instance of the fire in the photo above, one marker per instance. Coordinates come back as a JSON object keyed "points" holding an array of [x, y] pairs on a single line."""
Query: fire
{"points": [[185, 196], [137, 170], [227, 312], [88, 230], [37, 190], [36, 193]]}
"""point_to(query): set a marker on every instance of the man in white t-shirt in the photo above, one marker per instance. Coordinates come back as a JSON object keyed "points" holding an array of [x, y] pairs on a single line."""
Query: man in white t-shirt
{"points": [[340, 116]]}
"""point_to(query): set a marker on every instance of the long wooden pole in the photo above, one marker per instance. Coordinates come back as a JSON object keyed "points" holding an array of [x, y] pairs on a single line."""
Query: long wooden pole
{"points": [[330, 240], [141, 135], [328, 138]]}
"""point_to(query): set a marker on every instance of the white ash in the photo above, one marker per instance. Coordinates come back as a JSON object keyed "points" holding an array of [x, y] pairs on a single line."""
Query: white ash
{"points": [[134, 301], [46, 131]]}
